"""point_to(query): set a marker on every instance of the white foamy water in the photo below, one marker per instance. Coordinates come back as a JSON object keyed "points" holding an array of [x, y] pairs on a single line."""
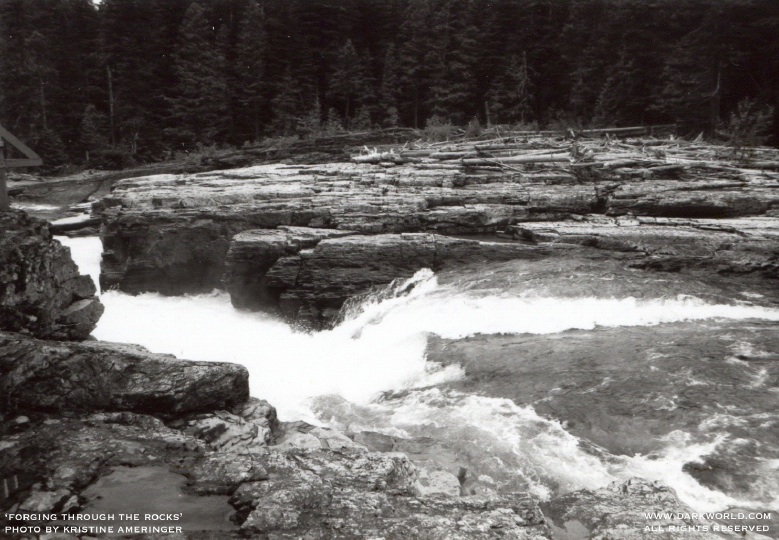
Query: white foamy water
{"points": [[540, 455], [80, 218], [380, 347], [35, 207]]}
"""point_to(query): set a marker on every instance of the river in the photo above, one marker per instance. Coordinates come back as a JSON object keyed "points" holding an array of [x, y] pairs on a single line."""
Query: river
{"points": [[544, 376]]}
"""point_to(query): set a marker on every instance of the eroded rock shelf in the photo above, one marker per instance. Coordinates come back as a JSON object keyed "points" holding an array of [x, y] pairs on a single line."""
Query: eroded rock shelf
{"points": [[284, 238]]}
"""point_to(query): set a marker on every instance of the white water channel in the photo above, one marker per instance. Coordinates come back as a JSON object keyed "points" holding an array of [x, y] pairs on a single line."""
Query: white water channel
{"points": [[337, 377]]}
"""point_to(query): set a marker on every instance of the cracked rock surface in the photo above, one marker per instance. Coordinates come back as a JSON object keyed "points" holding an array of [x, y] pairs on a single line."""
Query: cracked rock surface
{"points": [[41, 290]]}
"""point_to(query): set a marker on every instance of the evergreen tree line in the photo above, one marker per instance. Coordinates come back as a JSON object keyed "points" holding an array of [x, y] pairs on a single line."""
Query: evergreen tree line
{"points": [[135, 79]]}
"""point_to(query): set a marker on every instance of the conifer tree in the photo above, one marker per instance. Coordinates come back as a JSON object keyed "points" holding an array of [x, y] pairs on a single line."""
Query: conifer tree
{"points": [[251, 49], [413, 55], [453, 83], [390, 89], [333, 123], [51, 148], [201, 106], [311, 124], [511, 96], [93, 138], [362, 119], [346, 80], [285, 104]]}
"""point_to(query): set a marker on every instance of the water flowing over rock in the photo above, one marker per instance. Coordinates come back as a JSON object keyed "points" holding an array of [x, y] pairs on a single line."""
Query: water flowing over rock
{"points": [[41, 290], [308, 276]]}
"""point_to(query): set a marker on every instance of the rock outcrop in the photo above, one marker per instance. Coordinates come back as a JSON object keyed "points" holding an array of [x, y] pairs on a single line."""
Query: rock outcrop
{"points": [[725, 245], [253, 253], [41, 290], [40, 375], [634, 509], [171, 233], [308, 274], [292, 493]]}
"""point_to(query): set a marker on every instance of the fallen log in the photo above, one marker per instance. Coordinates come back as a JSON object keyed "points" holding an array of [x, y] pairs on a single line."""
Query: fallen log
{"points": [[540, 158]]}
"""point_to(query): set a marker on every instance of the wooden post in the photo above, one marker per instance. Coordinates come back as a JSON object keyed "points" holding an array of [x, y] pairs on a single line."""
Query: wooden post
{"points": [[31, 159], [5, 202]]}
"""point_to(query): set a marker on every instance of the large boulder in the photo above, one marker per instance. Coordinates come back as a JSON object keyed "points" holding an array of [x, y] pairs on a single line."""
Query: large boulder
{"points": [[96, 376], [41, 290]]}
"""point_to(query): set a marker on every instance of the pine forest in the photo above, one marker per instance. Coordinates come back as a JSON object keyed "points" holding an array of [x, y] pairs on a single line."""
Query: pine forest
{"points": [[136, 80]]}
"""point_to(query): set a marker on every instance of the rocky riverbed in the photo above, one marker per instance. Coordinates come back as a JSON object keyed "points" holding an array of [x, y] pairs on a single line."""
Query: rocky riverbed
{"points": [[90, 425], [78, 412]]}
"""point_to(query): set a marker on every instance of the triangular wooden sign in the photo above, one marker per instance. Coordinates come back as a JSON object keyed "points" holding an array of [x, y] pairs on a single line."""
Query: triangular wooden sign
{"points": [[31, 159]]}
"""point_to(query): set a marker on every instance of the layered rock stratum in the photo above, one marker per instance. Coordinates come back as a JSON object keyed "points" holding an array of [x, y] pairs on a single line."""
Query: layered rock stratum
{"points": [[301, 240]]}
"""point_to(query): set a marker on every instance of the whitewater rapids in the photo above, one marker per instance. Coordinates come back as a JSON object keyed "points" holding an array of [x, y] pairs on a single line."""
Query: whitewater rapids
{"points": [[370, 372]]}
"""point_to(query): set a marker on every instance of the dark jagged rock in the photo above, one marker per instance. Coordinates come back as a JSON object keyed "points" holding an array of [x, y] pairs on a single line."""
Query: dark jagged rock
{"points": [[272, 268], [94, 376], [41, 291]]}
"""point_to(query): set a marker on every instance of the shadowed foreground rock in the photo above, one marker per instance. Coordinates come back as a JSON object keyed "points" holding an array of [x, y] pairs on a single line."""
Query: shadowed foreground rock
{"points": [[41, 291], [292, 493], [96, 376]]}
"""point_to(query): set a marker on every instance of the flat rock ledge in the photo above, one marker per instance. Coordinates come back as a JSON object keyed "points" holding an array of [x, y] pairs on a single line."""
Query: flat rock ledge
{"points": [[41, 290], [38, 375], [171, 233], [727, 246], [308, 274]]}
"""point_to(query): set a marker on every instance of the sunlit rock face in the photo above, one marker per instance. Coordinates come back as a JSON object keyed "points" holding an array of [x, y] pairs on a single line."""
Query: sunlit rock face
{"points": [[41, 290]]}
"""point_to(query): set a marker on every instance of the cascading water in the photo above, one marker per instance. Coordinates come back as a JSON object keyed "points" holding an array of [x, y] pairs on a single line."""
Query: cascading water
{"points": [[371, 372]]}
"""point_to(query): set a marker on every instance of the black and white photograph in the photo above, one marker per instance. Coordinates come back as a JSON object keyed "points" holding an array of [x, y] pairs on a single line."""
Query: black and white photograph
{"points": [[389, 269]]}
